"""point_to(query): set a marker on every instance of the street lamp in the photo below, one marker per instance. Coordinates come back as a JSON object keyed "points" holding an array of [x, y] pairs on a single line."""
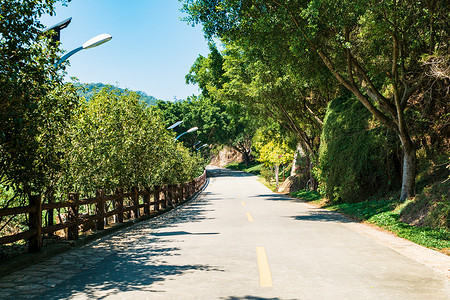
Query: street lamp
{"points": [[57, 30], [204, 145], [174, 125], [189, 131], [94, 42]]}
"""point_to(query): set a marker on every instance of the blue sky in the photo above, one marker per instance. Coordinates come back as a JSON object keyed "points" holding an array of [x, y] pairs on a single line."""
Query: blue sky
{"points": [[151, 49]]}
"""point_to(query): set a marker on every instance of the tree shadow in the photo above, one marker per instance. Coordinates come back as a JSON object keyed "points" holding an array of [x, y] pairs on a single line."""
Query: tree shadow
{"points": [[136, 257], [322, 216], [174, 233], [312, 214], [124, 272], [277, 197], [249, 298], [221, 172]]}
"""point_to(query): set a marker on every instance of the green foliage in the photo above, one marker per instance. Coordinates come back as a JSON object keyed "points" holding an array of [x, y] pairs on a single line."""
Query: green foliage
{"points": [[431, 207], [354, 155], [267, 173], [88, 90], [375, 49], [219, 123], [118, 141], [426, 236], [254, 167], [307, 195], [34, 106], [275, 153], [386, 214]]}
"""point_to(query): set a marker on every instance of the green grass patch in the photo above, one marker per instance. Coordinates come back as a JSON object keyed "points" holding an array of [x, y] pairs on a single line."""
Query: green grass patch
{"points": [[425, 236], [385, 214], [308, 196], [254, 167], [270, 185]]}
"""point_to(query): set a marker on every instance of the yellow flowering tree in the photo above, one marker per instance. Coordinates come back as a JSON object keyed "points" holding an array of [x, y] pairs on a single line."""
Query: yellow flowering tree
{"points": [[274, 153]]}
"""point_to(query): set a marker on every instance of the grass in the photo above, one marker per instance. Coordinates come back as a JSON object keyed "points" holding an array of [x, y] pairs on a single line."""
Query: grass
{"points": [[270, 185], [384, 214], [254, 167]]}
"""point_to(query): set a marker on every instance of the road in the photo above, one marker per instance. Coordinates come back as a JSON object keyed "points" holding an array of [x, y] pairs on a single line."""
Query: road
{"points": [[237, 240]]}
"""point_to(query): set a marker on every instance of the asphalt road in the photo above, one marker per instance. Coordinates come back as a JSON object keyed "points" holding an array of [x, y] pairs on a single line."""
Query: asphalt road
{"points": [[238, 240]]}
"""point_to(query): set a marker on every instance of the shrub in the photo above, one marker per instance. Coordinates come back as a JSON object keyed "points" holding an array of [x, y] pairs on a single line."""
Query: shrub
{"points": [[356, 156]]}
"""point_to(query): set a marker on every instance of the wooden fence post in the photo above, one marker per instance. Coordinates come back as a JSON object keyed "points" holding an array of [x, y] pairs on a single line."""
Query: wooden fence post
{"points": [[147, 202], [165, 193], [72, 216], [171, 196], [100, 210], [156, 194], [177, 194], [35, 223], [50, 197], [192, 188], [135, 198], [119, 205], [181, 188]]}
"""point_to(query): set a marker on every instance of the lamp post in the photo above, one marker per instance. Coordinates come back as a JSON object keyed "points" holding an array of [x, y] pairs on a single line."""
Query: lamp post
{"points": [[189, 131], [94, 42], [56, 36], [204, 145], [174, 125], [57, 29]]}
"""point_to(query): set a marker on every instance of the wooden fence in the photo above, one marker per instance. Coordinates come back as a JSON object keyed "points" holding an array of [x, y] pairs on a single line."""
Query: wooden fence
{"points": [[124, 206]]}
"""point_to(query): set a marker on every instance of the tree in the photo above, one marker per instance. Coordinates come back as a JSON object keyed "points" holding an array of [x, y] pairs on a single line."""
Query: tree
{"points": [[275, 91], [372, 48], [273, 149], [34, 106], [117, 141]]}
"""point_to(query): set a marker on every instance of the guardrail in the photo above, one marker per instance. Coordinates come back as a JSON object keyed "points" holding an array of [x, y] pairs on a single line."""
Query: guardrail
{"points": [[130, 205]]}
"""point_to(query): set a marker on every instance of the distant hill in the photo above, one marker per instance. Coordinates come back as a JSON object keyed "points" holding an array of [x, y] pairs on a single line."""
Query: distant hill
{"points": [[91, 88]]}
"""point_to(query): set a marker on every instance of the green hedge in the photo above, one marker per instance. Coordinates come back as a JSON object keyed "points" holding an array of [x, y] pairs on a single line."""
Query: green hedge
{"points": [[356, 156]]}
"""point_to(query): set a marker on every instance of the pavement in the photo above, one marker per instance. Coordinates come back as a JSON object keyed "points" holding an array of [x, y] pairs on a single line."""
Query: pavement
{"points": [[238, 240]]}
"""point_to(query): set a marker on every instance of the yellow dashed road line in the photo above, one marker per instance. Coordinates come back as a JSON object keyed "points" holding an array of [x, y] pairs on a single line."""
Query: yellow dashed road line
{"points": [[243, 203], [265, 276], [249, 217]]}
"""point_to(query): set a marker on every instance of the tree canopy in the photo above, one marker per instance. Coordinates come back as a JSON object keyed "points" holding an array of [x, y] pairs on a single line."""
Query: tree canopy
{"points": [[376, 50]]}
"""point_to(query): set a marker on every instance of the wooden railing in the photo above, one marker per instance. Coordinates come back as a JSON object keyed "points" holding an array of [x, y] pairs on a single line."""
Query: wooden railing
{"points": [[130, 205]]}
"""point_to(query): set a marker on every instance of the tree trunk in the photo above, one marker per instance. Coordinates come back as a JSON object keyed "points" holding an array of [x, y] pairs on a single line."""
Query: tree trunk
{"points": [[409, 168], [277, 167], [247, 157], [298, 153]]}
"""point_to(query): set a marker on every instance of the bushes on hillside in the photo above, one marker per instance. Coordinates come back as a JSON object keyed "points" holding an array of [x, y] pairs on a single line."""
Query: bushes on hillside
{"points": [[357, 158]]}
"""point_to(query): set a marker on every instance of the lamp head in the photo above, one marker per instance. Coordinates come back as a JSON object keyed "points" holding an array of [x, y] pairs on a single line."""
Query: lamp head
{"points": [[174, 125], [97, 41]]}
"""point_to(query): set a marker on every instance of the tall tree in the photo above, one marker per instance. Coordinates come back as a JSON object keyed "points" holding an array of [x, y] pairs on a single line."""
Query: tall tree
{"points": [[372, 48], [33, 105], [209, 74]]}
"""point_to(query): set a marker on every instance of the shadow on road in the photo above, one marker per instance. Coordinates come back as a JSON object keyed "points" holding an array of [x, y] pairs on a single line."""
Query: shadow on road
{"points": [[322, 216], [313, 214], [125, 272], [219, 172], [249, 298], [172, 233], [135, 257]]}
